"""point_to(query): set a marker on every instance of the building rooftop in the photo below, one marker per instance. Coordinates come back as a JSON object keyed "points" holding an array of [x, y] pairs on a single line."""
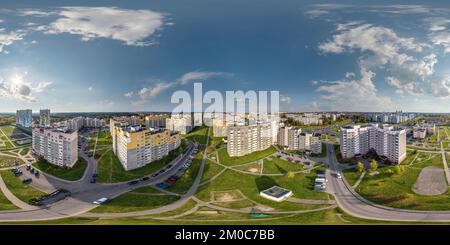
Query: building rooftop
{"points": [[276, 192]]}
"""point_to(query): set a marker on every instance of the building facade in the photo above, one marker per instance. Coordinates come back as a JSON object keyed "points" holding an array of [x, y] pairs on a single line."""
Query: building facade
{"points": [[24, 118], [386, 141], [180, 123], [56, 145], [294, 139], [156, 121], [44, 117], [245, 139], [137, 146]]}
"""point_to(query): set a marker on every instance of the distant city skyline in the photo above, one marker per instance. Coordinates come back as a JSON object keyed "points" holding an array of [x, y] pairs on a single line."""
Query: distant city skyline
{"points": [[131, 56]]}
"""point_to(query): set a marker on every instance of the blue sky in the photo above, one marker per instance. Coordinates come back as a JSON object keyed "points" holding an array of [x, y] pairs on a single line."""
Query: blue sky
{"points": [[132, 55]]}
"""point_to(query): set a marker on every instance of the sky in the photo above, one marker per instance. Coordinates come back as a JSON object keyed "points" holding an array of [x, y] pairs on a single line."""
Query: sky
{"points": [[86, 56]]}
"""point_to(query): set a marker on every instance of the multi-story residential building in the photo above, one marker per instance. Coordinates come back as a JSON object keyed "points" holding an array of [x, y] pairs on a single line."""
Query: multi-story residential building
{"points": [[24, 118], [294, 139], [219, 127], [44, 117], [156, 121], [180, 123], [78, 123], [245, 139], [386, 141], [419, 132], [58, 146], [137, 146]]}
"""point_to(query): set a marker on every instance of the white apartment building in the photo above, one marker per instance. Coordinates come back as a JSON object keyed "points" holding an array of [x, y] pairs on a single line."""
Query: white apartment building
{"points": [[24, 118], [78, 123], [386, 141], [294, 139], [156, 121], [44, 117], [245, 139], [180, 123], [56, 145]]}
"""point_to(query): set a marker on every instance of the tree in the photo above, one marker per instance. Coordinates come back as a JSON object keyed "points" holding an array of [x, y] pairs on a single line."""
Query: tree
{"points": [[290, 175], [399, 169], [359, 167], [373, 165]]}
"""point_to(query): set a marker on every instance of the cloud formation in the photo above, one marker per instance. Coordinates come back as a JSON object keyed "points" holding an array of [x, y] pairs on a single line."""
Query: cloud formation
{"points": [[132, 27], [17, 87]]}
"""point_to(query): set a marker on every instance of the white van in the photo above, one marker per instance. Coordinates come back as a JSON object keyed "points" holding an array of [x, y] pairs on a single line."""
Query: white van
{"points": [[101, 201]]}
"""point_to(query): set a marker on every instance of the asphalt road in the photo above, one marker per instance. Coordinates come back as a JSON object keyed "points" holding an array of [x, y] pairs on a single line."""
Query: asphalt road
{"points": [[83, 192], [355, 205]]}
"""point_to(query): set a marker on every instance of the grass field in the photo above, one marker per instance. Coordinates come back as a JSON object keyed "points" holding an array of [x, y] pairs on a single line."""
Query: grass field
{"points": [[351, 175], [395, 190], [6, 161], [72, 174], [140, 199], [110, 170], [210, 170], [280, 166], [20, 190], [5, 204], [225, 159], [198, 134], [251, 185]]}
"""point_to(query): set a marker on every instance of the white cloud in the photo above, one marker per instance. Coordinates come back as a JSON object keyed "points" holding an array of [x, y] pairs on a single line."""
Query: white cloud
{"points": [[132, 27], [129, 94], [382, 43], [354, 94], [285, 99], [198, 75], [439, 32], [36, 13], [149, 92], [17, 87], [8, 38], [90, 88]]}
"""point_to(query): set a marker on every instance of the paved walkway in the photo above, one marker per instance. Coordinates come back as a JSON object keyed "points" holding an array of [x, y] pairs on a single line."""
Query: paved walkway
{"points": [[359, 180], [12, 198], [310, 201]]}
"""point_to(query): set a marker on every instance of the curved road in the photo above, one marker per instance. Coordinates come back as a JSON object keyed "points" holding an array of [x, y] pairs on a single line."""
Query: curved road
{"points": [[355, 205]]}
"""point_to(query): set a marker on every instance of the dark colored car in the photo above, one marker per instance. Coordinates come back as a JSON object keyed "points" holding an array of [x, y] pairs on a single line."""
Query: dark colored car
{"points": [[145, 178], [93, 180], [162, 185], [133, 182], [27, 181], [37, 174]]}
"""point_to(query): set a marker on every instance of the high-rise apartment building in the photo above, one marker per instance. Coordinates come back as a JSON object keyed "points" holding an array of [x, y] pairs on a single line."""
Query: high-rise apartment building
{"points": [[58, 146], [24, 118], [180, 123], [137, 146], [386, 141], [44, 117], [156, 121], [245, 139], [294, 139]]}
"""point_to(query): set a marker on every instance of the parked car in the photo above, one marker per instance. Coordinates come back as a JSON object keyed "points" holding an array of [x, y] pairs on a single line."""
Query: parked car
{"points": [[101, 201], [28, 167], [32, 170], [133, 182], [27, 181], [93, 180], [170, 181], [145, 178], [162, 185], [37, 174], [155, 175]]}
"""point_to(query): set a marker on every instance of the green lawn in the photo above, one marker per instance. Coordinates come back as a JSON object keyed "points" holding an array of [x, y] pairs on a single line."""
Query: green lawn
{"points": [[198, 134], [137, 200], [280, 166], [72, 174], [210, 170], [251, 185], [186, 181], [110, 170], [395, 190], [351, 175], [5, 204], [225, 159], [6, 161], [24, 151], [20, 190]]}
